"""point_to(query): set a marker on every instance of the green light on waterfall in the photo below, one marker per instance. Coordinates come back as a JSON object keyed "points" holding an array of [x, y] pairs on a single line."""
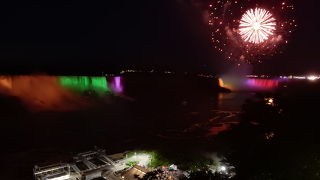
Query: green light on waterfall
{"points": [[85, 84]]}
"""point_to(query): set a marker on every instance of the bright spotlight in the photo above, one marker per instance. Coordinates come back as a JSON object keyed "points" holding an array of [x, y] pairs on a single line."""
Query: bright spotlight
{"points": [[223, 168]]}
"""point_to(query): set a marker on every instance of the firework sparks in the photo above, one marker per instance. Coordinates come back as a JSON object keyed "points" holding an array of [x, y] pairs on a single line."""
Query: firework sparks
{"points": [[248, 31], [257, 25]]}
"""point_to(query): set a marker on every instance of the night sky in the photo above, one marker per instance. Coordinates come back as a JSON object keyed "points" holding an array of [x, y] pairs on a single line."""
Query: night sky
{"points": [[94, 36]]}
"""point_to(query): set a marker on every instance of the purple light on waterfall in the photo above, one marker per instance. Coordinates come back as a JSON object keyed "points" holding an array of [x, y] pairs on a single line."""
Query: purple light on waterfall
{"points": [[116, 85]]}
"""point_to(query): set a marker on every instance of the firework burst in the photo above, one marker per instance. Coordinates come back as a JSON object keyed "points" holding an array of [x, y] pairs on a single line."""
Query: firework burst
{"points": [[256, 26], [247, 31]]}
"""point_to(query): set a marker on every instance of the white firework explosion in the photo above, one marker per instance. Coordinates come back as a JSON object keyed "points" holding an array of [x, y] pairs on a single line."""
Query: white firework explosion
{"points": [[257, 25]]}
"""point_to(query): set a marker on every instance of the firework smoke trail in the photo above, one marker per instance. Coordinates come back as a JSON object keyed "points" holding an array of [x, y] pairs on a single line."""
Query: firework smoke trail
{"points": [[249, 31]]}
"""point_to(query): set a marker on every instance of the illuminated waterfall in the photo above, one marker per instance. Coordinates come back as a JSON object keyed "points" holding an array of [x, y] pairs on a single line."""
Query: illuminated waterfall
{"points": [[98, 85]]}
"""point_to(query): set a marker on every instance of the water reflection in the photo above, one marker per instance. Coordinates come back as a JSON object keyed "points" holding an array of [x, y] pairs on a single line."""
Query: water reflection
{"points": [[225, 113]]}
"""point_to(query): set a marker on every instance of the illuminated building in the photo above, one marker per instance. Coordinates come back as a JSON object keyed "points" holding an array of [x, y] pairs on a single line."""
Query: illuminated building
{"points": [[86, 166], [55, 172]]}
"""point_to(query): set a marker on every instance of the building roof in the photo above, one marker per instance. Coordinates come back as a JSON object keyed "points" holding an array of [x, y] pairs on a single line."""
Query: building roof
{"points": [[117, 156]]}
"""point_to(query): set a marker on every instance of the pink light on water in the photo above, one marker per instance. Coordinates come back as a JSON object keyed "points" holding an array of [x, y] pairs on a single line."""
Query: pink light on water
{"points": [[262, 84]]}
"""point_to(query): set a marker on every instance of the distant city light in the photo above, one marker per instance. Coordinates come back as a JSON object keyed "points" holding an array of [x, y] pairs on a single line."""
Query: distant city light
{"points": [[312, 78]]}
